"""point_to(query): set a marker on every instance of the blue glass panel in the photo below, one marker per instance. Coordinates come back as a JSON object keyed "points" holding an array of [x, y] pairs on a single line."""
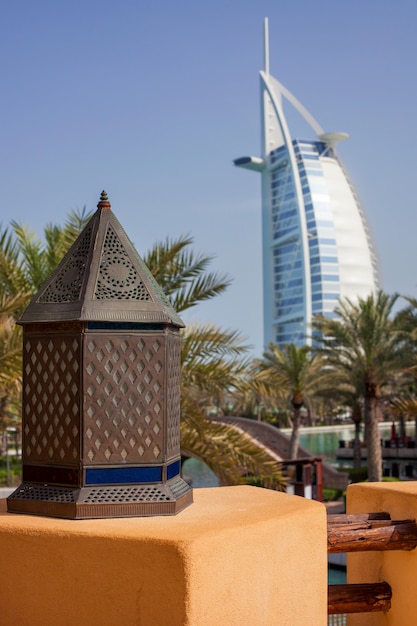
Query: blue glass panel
{"points": [[173, 470], [123, 326], [295, 282], [289, 212], [315, 173], [123, 475], [327, 242], [325, 223], [284, 231]]}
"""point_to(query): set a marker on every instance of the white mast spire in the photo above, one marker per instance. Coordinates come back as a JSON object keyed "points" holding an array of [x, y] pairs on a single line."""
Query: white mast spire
{"points": [[266, 46]]}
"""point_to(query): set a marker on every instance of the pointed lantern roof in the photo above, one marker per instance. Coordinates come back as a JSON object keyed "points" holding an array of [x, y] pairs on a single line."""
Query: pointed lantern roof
{"points": [[101, 278]]}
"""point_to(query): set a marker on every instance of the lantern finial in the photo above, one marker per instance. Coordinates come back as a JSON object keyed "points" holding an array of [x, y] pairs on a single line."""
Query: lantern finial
{"points": [[104, 201]]}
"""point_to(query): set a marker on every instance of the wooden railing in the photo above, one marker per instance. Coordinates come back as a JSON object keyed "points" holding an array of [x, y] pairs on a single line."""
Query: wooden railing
{"points": [[305, 476], [359, 533]]}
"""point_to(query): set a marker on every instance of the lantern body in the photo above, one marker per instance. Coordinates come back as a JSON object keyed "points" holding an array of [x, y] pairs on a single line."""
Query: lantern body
{"points": [[101, 397]]}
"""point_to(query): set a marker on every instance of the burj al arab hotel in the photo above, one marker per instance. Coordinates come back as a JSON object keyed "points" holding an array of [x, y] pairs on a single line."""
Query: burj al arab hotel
{"points": [[317, 246]]}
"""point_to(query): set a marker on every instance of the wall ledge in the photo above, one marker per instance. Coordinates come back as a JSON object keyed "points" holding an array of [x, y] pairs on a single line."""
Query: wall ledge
{"points": [[238, 555]]}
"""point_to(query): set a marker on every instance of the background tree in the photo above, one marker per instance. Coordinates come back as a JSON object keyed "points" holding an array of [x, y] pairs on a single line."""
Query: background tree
{"points": [[10, 363], [404, 400], [296, 374], [365, 342], [27, 260], [347, 392], [254, 398]]}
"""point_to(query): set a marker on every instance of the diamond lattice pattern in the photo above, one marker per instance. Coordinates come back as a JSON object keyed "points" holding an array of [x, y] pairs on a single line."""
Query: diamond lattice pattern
{"points": [[51, 388], [173, 395], [124, 398]]}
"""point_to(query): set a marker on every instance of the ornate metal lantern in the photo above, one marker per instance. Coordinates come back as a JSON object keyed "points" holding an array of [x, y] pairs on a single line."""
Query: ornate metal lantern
{"points": [[101, 386]]}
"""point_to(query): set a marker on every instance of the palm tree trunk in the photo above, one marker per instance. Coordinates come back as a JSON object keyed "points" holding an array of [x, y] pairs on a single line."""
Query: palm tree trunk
{"points": [[3, 422], [402, 426], [357, 455], [295, 434], [357, 418], [415, 432], [310, 416], [372, 437]]}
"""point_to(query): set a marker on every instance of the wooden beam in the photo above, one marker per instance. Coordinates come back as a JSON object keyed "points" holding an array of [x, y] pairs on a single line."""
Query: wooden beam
{"points": [[343, 519], [363, 598], [361, 535]]}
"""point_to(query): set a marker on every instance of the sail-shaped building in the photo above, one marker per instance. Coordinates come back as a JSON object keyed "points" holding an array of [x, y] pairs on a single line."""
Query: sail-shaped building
{"points": [[317, 247]]}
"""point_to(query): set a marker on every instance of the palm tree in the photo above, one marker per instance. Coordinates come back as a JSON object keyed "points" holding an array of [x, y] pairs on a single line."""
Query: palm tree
{"points": [[253, 397], [295, 373], [404, 402], [212, 359], [10, 363], [182, 274], [364, 342], [406, 406], [347, 391], [26, 260]]}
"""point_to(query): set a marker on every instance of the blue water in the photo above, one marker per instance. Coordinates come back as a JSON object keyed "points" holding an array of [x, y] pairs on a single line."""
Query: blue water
{"points": [[199, 473], [325, 442], [321, 441], [336, 576]]}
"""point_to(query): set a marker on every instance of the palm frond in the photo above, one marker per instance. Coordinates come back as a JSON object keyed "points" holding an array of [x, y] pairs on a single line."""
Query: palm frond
{"points": [[406, 406], [182, 274], [32, 254], [231, 454]]}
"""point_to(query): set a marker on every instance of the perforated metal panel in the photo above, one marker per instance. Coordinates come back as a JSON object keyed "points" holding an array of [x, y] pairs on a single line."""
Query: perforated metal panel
{"points": [[118, 277], [173, 393], [51, 398], [124, 378], [66, 285], [83, 503]]}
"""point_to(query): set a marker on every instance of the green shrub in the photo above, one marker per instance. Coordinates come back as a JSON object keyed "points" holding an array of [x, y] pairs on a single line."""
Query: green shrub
{"points": [[15, 470], [356, 474], [360, 474], [330, 495]]}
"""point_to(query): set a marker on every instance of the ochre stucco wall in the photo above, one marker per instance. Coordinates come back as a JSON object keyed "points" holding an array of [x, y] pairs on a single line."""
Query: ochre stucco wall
{"points": [[237, 556], [398, 568]]}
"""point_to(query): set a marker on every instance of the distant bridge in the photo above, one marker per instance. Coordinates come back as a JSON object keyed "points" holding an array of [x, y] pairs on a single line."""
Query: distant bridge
{"points": [[278, 446]]}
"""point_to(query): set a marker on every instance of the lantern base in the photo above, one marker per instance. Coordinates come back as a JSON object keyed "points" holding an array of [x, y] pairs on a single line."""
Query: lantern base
{"points": [[102, 501]]}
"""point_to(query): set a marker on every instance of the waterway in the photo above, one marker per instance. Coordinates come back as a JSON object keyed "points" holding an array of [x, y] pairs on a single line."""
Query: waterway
{"points": [[320, 440]]}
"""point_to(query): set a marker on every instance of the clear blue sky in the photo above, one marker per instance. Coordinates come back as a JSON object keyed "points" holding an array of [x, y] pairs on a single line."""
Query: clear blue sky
{"points": [[152, 101]]}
